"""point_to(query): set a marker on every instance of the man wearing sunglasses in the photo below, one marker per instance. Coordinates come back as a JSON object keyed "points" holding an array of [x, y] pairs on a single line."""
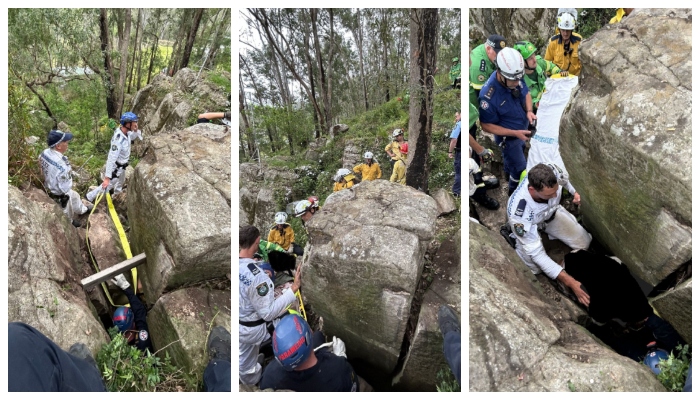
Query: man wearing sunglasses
{"points": [[505, 109], [563, 48]]}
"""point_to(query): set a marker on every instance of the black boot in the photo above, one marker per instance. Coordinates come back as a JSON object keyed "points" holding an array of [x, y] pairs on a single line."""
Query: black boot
{"points": [[480, 197]]}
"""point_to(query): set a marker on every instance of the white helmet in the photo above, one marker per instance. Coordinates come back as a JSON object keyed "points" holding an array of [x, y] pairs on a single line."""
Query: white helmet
{"points": [[397, 132], [510, 63], [341, 173], [280, 217], [369, 154], [571, 11], [566, 21], [301, 207]]}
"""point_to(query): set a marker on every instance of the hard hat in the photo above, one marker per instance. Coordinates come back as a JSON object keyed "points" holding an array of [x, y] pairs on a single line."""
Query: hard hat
{"points": [[313, 200], [291, 341], [369, 154], [128, 117], [301, 207], [341, 173], [566, 21], [123, 318], [397, 132], [280, 217], [404, 148], [525, 48], [653, 358], [510, 64]]}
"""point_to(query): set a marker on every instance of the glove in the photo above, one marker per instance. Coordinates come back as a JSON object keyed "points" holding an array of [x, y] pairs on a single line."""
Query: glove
{"points": [[487, 154], [139, 135], [121, 282], [338, 347]]}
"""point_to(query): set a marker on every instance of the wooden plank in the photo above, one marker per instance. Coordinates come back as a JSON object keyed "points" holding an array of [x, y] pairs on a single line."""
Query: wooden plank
{"points": [[113, 271]]}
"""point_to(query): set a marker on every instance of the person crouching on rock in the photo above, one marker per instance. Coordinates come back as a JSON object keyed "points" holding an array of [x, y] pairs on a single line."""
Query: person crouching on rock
{"points": [[283, 234], [131, 321]]}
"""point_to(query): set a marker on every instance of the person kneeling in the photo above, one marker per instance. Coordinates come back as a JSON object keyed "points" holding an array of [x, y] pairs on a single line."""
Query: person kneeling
{"points": [[299, 368]]}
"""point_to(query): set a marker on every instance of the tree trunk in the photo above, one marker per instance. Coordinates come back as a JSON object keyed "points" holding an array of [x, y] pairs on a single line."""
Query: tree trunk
{"points": [[244, 117], [153, 56], [133, 54], [112, 98], [385, 53], [359, 40], [321, 70], [317, 127], [175, 55], [124, 52], [190, 38], [424, 33]]}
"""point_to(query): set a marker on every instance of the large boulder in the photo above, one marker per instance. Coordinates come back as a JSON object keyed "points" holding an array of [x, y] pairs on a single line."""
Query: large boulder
{"points": [[180, 208], [259, 193], [425, 356], [625, 139], [520, 340], [533, 24], [364, 262], [44, 272], [180, 322], [173, 103], [676, 307]]}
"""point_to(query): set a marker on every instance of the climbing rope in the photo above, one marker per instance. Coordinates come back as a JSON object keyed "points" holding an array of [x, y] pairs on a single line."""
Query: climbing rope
{"points": [[122, 238]]}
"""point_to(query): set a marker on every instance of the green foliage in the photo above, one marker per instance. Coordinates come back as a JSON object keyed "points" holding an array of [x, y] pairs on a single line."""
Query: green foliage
{"points": [[220, 80], [571, 386], [674, 370], [22, 157], [590, 20], [446, 381], [125, 369]]}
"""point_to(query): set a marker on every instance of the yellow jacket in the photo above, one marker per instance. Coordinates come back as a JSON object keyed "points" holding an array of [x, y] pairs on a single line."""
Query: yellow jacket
{"points": [[393, 148], [618, 16], [284, 238], [566, 62], [399, 174], [369, 172]]}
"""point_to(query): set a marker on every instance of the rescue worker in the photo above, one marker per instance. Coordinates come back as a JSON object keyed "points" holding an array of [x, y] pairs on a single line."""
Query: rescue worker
{"points": [[505, 109], [119, 152], [482, 63], [257, 305], [456, 73], [344, 179], [370, 169], [478, 187], [563, 47], [537, 70], [534, 206], [314, 202], [283, 234], [299, 368], [562, 11], [57, 176], [305, 210], [131, 321], [392, 149], [399, 173]]}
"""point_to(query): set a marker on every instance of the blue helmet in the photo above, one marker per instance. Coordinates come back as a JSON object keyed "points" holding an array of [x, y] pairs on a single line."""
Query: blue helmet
{"points": [[128, 117], [291, 341], [123, 318], [653, 358]]}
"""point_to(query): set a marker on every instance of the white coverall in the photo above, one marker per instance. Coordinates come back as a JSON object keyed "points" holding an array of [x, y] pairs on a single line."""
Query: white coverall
{"points": [[58, 181], [525, 215], [117, 160], [256, 301]]}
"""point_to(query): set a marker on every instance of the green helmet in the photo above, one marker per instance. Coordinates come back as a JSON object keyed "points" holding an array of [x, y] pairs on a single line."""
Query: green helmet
{"points": [[525, 48], [455, 59]]}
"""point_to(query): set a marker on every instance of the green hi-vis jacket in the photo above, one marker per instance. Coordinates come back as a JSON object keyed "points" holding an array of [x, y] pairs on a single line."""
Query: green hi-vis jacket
{"points": [[479, 72], [535, 81], [455, 72]]}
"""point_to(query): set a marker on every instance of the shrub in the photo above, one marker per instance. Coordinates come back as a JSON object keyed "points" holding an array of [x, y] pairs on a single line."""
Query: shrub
{"points": [[125, 368], [446, 381], [675, 369]]}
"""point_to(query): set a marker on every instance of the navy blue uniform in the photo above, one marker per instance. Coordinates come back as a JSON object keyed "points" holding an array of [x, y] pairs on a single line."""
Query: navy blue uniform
{"points": [[498, 106], [330, 374], [143, 335]]}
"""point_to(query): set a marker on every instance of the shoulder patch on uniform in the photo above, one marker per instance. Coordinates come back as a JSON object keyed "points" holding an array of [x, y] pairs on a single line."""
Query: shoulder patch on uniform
{"points": [[521, 208], [519, 229], [489, 93], [262, 289], [254, 269], [114, 147], [484, 104], [143, 335]]}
